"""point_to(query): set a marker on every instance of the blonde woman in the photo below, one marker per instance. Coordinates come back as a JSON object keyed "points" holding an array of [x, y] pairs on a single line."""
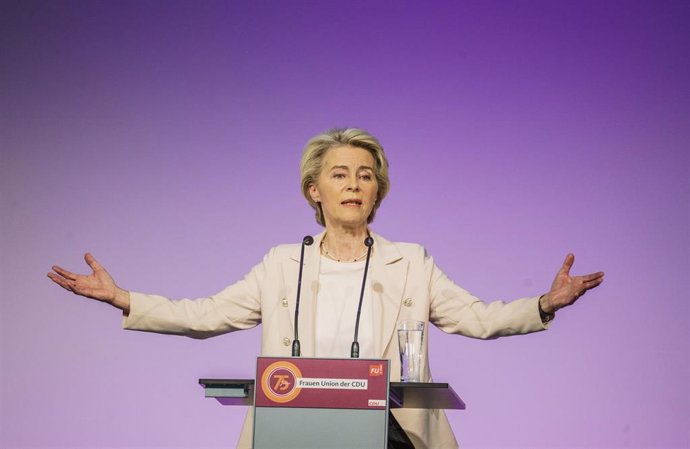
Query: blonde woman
{"points": [[344, 177]]}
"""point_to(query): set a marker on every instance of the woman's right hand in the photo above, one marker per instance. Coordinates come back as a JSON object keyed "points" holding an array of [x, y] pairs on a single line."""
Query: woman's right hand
{"points": [[97, 285]]}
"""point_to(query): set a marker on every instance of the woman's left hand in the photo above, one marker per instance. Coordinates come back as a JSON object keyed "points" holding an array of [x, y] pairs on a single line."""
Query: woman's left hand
{"points": [[567, 289]]}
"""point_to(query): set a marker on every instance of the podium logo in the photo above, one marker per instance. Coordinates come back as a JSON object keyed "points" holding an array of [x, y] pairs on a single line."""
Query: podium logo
{"points": [[278, 382], [376, 370]]}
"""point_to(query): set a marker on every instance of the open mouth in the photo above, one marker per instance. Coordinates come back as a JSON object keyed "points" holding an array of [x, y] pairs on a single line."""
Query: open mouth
{"points": [[352, 202]]}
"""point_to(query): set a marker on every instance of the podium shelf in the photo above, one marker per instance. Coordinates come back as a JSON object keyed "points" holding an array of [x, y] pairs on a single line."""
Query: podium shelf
{"points": [[229, 391], [424, 395], [402, 394]]}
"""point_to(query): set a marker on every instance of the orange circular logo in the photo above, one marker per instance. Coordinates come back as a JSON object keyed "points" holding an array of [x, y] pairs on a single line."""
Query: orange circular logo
{"points": [[278, 381]]}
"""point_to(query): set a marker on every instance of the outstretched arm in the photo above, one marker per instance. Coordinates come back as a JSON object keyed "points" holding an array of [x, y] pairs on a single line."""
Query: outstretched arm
{"points": [[98, 285], [567, 289]]}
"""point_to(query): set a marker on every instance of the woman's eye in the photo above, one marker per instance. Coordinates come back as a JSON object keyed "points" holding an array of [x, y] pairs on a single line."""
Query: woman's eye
{"points": [[338, 175], [366, 177]]}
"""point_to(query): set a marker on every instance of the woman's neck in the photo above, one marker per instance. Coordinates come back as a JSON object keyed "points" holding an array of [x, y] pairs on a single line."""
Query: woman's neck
{"points": [[344, 245]]}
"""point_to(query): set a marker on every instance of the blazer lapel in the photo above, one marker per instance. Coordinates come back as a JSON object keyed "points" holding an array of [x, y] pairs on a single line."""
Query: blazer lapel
{"points": [[308, 293], [388, 275]]}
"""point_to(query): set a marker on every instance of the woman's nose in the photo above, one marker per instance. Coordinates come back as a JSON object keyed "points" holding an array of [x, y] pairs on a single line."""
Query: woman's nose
{"points": [[353, 184]]}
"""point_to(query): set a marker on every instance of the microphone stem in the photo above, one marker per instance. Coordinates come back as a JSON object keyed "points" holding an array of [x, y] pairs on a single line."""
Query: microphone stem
{"points": [[354, 351], [296, 350]]}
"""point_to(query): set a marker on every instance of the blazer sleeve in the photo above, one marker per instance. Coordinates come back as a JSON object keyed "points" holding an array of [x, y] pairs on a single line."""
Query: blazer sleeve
{"points": [[454, 310], [236, 307]]}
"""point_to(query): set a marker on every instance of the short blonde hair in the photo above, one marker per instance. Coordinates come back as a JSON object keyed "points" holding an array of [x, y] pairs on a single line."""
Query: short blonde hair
{"points": [[316, 149]]}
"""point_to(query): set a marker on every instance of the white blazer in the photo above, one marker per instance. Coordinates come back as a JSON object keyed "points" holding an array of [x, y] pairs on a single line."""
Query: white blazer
{"points": [[404, 284]]}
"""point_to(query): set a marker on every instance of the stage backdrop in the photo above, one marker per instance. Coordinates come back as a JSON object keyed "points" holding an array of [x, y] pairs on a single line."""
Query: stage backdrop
{"points": [[164, 136]]}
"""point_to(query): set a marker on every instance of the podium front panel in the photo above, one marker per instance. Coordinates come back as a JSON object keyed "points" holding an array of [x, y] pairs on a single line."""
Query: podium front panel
{"points": [[313, 428], [321, 403]]}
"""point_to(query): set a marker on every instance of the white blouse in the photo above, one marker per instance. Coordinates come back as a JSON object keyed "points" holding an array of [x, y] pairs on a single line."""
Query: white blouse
{"points": [[340, 285]]}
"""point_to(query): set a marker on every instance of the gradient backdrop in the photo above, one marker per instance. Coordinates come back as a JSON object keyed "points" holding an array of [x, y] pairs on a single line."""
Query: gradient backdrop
{"points": [[164, 136]]}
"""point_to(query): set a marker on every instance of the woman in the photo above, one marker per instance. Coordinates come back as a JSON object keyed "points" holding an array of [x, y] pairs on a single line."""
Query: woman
{"points": [[344, 178]]}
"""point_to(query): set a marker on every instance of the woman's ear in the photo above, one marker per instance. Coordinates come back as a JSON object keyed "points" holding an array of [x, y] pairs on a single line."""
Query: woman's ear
{"points": [[314, 193]]}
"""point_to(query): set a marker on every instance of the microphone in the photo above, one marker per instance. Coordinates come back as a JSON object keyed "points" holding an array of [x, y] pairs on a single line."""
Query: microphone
{"points": [[306, 241], [354, 352]]}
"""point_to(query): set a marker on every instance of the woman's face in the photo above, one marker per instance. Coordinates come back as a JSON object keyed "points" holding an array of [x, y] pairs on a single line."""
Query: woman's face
{"points": [[346, 187]]}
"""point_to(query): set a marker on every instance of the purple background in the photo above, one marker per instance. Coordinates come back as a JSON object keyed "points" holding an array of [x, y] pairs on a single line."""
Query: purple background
{"points": [[165, 137]]}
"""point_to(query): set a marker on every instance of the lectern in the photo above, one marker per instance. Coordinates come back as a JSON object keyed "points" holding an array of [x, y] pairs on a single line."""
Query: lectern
{"points": [[325, 403]]}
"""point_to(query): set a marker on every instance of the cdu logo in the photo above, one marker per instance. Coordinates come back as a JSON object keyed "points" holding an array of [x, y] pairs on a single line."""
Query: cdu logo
{"points": [[278, 381], [376, 370]]}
